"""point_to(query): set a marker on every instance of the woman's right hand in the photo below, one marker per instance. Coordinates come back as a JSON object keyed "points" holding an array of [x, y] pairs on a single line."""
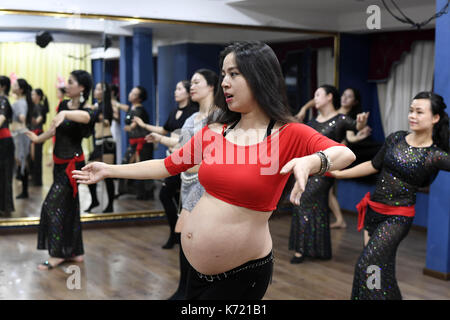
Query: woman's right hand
{"points": [[153, 137], [138, 121], [92, 173], [32, 136]]}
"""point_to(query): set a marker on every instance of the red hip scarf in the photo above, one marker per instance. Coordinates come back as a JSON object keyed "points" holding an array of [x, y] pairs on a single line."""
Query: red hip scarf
{"points": [[70, 167], [408, 211], [37, 131], [140, 143], [5, 133]]}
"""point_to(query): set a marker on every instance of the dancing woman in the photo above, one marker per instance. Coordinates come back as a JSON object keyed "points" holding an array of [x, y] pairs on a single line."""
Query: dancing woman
{"points": [[138, 149], [22, 110], [38, 119], [407, 161], [6, 149], [310, 228], [204, 84], [60, 225], [226, 237], [170, 190], [105, 145]]}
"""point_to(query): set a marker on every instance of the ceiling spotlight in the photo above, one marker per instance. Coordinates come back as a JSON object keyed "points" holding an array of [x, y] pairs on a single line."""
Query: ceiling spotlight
{"points": [[43, 39]]}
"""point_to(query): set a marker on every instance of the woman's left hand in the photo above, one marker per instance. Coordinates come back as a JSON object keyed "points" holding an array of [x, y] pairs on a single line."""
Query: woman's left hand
{"points": [[58, 119], [301, 167], [361, 120]]}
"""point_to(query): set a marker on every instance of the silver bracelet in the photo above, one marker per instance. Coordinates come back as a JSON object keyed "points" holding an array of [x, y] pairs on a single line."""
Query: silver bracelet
{"points": [[325, 163]]}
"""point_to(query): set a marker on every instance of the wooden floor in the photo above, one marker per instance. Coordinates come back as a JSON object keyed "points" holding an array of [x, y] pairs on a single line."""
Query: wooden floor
{"points": [[128, 263], [31, 207]]}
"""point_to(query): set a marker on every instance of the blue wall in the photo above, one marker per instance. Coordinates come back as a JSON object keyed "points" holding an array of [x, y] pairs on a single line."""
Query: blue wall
{"points": [[354, 68], [438, 241], [176, 63], [353, 72]]}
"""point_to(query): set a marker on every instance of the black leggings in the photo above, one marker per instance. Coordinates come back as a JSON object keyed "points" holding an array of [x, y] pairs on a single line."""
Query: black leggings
{"points": [[386, 232], [169, 196], [246, 282]]}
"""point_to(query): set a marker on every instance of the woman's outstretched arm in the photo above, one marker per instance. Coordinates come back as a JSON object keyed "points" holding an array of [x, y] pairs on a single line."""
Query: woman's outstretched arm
{"points": [[42, 137], [361, 170], [96, 171], [303, 167]]}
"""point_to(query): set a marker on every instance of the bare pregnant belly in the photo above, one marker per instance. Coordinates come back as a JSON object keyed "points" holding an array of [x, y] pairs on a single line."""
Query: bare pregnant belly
{"points": [[218, 236]]}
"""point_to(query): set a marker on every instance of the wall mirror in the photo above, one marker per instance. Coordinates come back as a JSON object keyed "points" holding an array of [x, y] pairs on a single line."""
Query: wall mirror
{"points": [[95, 43]]}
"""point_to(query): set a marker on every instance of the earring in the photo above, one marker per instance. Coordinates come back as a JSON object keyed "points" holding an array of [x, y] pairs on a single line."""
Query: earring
{"points": [[81, 97]]}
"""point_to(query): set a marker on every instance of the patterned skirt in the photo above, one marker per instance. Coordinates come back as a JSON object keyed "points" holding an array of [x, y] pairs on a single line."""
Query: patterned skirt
{"points": [[60, 225], [310, 228]]}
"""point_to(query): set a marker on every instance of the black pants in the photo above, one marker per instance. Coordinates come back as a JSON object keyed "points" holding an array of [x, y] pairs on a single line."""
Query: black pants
{"points": [[386, 232], [169, 196], [36, 165], [246, 282]]}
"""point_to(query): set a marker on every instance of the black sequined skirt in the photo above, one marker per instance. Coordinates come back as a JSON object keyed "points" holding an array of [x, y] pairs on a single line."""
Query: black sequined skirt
{"points": [[60, 225], [375, 275], [310, 227], [6, 176]]}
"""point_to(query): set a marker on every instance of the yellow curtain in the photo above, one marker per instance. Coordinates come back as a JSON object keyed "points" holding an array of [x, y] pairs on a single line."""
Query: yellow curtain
{"points": [[42, 67]]}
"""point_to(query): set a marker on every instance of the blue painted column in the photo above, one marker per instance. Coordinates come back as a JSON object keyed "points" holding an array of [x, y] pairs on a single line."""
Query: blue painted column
{"points": [[125, 83], [97, 70], [143, 68], [109, 65], [438, 236], [176, 63]]}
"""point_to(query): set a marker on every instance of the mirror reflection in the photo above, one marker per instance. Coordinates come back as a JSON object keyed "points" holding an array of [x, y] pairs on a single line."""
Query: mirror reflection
{"points": [[135, 107]]}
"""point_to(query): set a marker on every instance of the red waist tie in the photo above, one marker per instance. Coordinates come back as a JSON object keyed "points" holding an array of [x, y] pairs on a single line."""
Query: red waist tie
{"points": [[381, 208], [70, 167], [5, 133], [140, 143], [37, 131]]}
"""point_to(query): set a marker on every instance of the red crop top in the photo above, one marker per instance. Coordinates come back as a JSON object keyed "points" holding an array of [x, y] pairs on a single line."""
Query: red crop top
{"points": [[246, 176]]}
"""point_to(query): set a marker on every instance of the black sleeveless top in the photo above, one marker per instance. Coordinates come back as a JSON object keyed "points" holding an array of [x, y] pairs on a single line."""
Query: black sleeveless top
{"points": [[173, 124]]}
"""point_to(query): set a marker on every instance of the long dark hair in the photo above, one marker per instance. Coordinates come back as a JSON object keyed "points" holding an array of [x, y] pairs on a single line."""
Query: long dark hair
{"points": [[187, 85], [83, 78], [357, 107], [5, 82], [106, 106], [26, 91], [336, 97], [440, 129], [43, 103], [260, 67], [210, 77], [114, 91]]}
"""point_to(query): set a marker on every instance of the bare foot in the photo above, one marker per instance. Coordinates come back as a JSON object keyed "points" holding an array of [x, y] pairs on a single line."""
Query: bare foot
{"points": [[50, 263], [338, 225]]}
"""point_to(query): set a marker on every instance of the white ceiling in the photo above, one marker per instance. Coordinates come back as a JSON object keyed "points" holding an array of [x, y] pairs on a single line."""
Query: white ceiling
{"points": [[326, 15]]}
